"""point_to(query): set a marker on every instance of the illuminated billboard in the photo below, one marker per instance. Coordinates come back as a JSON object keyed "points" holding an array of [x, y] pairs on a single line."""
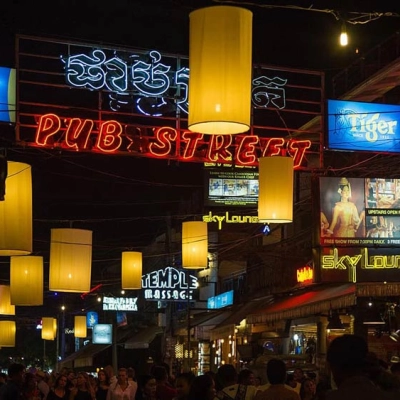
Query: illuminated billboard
{"points": [[7, 94], [221, 300], [102, 334], [358, 126], [359, 211], [231, 186], [120, 304]]}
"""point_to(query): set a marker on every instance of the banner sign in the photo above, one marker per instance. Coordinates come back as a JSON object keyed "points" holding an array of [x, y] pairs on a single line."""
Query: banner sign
{"points": [[222, 300], [96, 98], [354, 126]]}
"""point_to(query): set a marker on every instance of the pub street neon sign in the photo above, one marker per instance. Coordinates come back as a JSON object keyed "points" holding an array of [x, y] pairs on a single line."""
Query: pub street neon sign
{"points": [[79, 134], [154, 88], [230, 219]]}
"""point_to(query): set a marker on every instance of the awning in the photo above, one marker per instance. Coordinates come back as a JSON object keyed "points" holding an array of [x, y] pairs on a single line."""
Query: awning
{"points": [[83, 357], [313, 300], [143, 338]]}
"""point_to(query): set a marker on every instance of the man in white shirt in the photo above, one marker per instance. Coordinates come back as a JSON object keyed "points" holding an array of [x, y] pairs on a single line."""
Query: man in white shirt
{"points": [[122, 389]]}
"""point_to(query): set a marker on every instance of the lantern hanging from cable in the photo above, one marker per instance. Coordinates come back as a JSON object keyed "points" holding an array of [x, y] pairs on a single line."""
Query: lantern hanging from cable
{"points": [[26, 280], [15, 209], [220, 52], [275, 196], [6, 308], [49, 328], [7, 333], [70, 260], [80, 326], [131, 274], [194, 245]]}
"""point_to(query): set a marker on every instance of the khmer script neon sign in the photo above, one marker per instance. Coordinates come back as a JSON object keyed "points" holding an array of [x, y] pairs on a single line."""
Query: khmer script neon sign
{"points": [[152, 87], [108, 137]]}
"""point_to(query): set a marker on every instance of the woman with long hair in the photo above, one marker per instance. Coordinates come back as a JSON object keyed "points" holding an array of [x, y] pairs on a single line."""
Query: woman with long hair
{"points": [[308, 389], [147, 388], [103, 383], [59, 390], [83, 389], [202, 388]]}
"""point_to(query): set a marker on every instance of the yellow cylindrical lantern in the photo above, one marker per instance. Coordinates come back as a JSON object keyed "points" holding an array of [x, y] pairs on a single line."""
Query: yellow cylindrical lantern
{"points": [[16, 211], [7, 333], [26, 280], [6, 308], [80, 327], [70, 260], [275, 197], [220, 52], [49, 328], [194, 245], [131, 274]]}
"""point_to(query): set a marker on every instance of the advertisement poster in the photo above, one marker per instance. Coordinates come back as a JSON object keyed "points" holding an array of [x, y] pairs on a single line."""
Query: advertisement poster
{"points": [[359, 126], [359, 211], [231, 187]]}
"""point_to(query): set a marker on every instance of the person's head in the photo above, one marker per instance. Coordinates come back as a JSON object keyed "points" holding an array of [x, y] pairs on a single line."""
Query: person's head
{"points": [[246, 377], [102, 377], [276, 371], [122, 375], [16, 372], [290, 381], [257, 381], [131, 373], [183, 383], [82, 381], [61, 381], [109, 370], [346, 357], [307, 388], [227, 375], [147, 386], [160, 373], [202, 388], [298, 375]]}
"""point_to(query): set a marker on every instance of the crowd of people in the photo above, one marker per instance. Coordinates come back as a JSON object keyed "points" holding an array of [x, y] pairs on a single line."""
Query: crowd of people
{"points": [[355, 373]]}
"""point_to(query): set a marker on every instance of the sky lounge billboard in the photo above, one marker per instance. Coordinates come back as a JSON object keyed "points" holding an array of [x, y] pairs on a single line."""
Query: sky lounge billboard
{"points": [[359, 126]]}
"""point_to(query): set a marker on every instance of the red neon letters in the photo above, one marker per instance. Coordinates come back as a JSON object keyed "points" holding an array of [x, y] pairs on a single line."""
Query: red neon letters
{"points": [[80, 134]]}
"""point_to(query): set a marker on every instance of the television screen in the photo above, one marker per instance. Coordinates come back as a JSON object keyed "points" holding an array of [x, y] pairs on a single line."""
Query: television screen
{"points": [[231, 187], [359, 211]]}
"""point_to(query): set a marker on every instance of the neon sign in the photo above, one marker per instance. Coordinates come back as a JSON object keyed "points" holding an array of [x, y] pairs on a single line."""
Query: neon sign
{"points": [[154, 88], [364, 260], [305, 275], [230, 219], [120, 304], [168, 284], [78, 134]]}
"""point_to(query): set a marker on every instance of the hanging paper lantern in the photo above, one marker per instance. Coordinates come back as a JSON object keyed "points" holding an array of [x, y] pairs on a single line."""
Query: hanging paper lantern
{"points": [[80, 330], [131, 275], [275, 197], [194, 245], [70, 260], [220, 52], [7, 333], [49, 328], [6, 308], [26, 280], [16, 211]]}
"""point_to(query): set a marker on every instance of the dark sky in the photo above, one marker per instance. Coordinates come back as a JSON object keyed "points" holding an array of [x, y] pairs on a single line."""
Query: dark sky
{"points": [[126, 200]]}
